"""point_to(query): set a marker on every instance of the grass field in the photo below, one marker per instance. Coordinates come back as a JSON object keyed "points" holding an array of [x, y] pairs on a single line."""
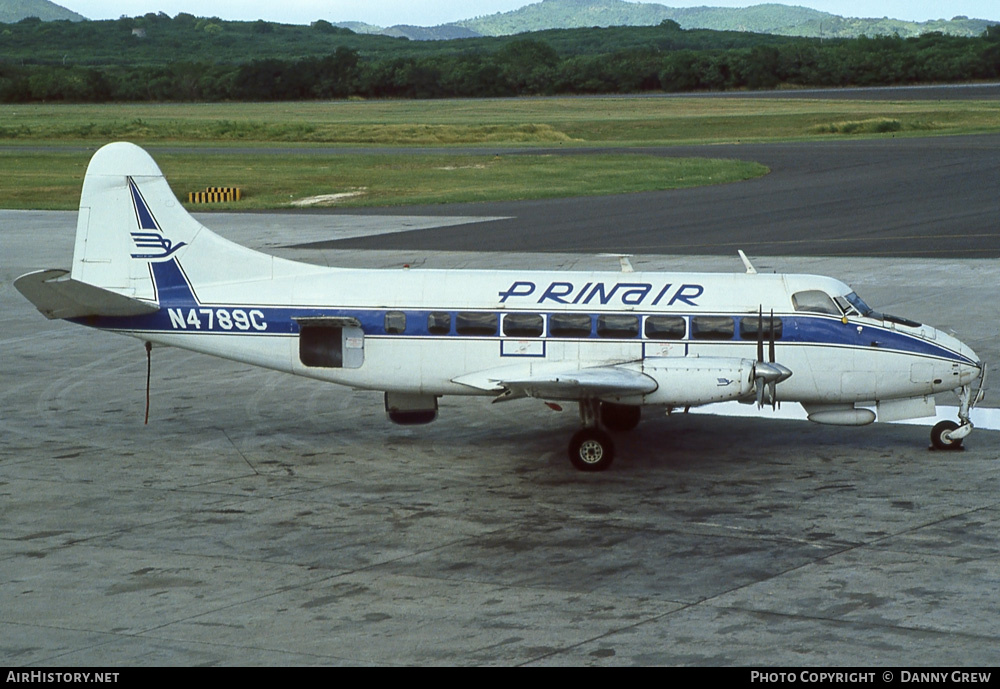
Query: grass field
{"points": [[52, 179], [542, 121], [38, 169]]}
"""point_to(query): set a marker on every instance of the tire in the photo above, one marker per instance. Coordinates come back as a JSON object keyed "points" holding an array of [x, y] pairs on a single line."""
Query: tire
{"points": [[939, 442], [620, 417], [591, 449]]}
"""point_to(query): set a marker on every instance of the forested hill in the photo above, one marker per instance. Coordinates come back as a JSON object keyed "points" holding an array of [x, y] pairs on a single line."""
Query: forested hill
{"points": [[159, 40], [15, 10], [772, 18], [784, 20], [159, 58], [570, 14]]}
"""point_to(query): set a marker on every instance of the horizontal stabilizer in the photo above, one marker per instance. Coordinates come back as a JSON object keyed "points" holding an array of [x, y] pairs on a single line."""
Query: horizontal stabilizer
{"points": [[59, 296]]}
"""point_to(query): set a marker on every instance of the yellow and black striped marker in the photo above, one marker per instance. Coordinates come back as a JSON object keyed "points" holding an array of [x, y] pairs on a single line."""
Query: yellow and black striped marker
{"points": [[215, 195]]}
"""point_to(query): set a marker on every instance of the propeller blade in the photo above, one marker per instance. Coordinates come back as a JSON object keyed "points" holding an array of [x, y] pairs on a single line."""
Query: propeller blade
{"points": [[773, 387], [760, 333], [767, 374], [770, 348]]}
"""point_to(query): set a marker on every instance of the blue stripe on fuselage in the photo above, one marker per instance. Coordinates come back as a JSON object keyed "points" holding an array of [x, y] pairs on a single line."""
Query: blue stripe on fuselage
{"points": [[833, 331], [191, 317], [182, 312]]}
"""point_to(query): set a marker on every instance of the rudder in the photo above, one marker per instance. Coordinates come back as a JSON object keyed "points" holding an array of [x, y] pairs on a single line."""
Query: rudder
{"points": [[129, 218]]}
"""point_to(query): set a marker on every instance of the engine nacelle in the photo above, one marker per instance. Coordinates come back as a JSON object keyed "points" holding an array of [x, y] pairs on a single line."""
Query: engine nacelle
{"points": [[693, 381], [410, 409]]}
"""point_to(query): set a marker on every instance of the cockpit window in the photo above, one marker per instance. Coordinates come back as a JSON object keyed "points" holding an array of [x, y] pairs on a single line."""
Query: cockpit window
{"points": [[858, 303], [816, 301], [852, 304]]}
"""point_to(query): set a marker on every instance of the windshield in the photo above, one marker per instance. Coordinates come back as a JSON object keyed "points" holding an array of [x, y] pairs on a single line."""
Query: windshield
{"points": [[859, 304], [853, 305]]}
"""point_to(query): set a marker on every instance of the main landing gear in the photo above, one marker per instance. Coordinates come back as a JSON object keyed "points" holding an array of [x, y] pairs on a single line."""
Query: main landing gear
{"points": [[591, 448]]}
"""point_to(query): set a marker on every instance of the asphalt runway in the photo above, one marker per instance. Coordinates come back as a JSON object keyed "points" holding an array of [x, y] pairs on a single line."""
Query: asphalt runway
{"points": [[262, 519], [907, 197]]}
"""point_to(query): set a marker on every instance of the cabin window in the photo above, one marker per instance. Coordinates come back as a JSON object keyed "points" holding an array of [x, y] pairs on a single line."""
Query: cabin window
{"points": [[475, 323], [712, 328], [523, 325], [439, 323], [816, 301], [395, 322], [748, 327], [665, 328], [569, 325], [618, 326]]}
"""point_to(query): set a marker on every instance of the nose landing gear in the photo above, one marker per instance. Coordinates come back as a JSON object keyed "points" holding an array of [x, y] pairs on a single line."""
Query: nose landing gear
{"points": [[948, 435], [943, 435]]}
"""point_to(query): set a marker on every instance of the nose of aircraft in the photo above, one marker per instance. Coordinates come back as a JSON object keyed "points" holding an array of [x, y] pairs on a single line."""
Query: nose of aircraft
{"points": [[975, 372], [973, 369], [970, 366]]}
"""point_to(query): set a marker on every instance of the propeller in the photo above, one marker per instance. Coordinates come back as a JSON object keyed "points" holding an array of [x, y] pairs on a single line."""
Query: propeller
{"points": [[767, 374]]}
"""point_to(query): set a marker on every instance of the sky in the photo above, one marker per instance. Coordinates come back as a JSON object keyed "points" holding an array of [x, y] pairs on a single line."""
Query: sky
{"points": [[433, 12]]}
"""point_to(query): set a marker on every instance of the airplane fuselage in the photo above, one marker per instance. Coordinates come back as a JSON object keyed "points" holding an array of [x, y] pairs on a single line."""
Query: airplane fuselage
{"points": [[425, 331], [610, 341]]}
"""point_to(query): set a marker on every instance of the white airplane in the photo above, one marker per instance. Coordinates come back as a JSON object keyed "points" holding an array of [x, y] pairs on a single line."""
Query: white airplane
{"points": [[612, 342]]}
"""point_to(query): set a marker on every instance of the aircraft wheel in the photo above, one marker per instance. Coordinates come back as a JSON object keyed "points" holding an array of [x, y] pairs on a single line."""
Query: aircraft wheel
{"points": [[591, 449], [939, 442], [620, 417]]}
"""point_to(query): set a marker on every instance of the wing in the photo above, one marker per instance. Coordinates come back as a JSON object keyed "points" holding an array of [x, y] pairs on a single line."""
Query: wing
{"points": [[669, 381], [561, 382]]}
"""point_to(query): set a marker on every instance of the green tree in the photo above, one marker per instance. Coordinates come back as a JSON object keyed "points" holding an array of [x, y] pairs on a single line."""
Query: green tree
{"points": [[529, 65]]}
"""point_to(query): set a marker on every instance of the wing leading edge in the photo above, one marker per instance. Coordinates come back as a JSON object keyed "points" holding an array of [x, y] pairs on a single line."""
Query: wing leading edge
{"points": [[586, 383], [672, 381]]}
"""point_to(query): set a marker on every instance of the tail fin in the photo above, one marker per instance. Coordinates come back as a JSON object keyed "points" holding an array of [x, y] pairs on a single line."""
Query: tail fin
{"points": [[129, 219], [132, 237]]}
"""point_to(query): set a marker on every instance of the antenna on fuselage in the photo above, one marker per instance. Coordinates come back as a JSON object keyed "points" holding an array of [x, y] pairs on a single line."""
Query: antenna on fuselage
{"points": [[746, 262]]}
